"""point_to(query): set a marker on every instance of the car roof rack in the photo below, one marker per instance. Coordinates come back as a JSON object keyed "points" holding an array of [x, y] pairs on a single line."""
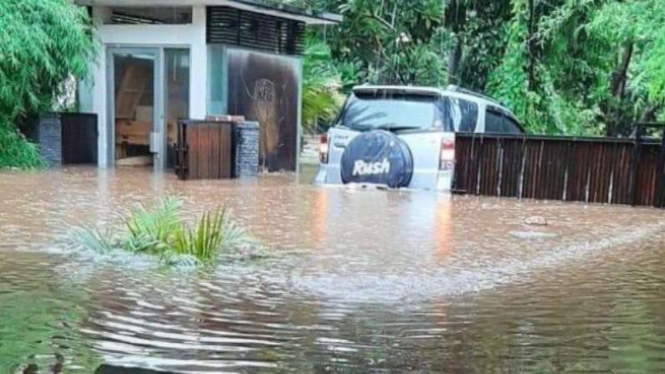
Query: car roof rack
{"points": [[406, 90]]}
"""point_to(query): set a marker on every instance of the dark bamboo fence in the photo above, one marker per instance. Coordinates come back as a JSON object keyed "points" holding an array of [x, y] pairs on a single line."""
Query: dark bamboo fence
{"points": [[591, 170]]}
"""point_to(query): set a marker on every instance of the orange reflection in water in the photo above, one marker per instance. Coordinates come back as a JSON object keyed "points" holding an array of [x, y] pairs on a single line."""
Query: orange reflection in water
{"points": [[320, 208], [443, 227]]}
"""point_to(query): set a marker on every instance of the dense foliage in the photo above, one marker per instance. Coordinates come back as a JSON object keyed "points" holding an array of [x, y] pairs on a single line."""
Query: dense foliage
{"points": [[322, 85], [44, 43], [563, 66]]}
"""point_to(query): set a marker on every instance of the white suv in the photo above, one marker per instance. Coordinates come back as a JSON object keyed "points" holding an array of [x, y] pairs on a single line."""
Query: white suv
{"points": [[404, 137]]}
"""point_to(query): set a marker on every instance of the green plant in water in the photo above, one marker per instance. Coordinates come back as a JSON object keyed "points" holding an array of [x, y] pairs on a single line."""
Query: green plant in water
{"points": [[159, 231], [205, 239], [94, 239], [152, 231]]}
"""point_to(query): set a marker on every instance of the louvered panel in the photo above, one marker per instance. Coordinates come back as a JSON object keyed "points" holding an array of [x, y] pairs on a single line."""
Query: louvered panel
{"points": [[232, 26]]}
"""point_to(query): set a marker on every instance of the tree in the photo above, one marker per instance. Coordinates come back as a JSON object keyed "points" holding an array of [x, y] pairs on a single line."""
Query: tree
{"points": [[44, 43], [552, 68]]}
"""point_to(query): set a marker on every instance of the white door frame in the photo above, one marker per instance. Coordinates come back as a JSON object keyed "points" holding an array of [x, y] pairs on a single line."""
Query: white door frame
{"points": [[158, 133]]}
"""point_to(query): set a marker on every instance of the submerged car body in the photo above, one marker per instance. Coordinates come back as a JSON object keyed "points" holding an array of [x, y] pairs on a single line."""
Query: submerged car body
{"points": [[404, 137]]}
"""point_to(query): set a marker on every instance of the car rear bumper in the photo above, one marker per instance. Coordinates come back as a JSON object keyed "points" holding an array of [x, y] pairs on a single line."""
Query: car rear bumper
{"points": [[433, 180]]}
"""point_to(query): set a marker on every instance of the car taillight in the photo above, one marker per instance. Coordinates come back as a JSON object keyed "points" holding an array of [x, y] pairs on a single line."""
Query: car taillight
{"points": [[447, 160], [323, 149]]}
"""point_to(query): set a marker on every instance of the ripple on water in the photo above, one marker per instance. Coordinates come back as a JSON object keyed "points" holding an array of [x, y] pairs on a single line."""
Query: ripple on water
{"points": [[379, 282]]}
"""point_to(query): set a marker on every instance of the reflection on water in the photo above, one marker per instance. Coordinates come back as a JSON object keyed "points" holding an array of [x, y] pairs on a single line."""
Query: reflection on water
{"points": [[363, 281]]}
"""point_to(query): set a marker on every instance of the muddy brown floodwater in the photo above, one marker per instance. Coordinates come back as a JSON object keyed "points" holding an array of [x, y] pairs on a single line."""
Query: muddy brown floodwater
{"points": [[361, 281]]}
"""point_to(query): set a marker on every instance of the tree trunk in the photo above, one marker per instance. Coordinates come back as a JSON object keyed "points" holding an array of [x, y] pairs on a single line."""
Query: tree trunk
{"points": [[455, 20], [649, 114], [617, 89], [531, 45], [454, 62], [621, 73]]}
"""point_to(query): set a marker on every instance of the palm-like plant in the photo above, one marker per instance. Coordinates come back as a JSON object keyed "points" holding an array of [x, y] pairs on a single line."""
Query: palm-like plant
{"points": [[102, 242], [203, 241], [152, 230], [159, 231]]}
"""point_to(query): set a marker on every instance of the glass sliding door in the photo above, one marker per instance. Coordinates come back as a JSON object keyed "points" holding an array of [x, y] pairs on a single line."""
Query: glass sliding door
{"points": [[135, 97], [176, 83]]}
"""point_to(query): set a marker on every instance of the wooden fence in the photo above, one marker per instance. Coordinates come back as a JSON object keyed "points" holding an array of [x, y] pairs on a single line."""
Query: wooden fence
{"points": [[205, 150], [592, 170]]}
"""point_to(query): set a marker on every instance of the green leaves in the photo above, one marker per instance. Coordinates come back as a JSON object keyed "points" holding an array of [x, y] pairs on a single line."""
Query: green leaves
{"points": [[322, 85], [391, 42], [204, 240], [151, 230], [15, 150]]}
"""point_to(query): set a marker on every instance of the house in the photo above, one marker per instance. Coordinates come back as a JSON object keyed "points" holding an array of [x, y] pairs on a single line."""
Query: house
{"points": [[165, 60]]}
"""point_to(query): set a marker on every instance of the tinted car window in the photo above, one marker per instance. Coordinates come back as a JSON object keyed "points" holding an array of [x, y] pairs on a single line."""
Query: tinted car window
{"points": [[460, 114], [498, 122], [493, 122], [364, 113], [512, 127]]}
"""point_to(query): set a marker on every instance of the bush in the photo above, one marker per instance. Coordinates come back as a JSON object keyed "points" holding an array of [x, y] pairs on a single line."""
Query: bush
{"points": [[16, 151]]}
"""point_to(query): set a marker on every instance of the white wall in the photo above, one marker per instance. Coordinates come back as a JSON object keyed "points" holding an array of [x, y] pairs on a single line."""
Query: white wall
{"points": [[191, 36]]}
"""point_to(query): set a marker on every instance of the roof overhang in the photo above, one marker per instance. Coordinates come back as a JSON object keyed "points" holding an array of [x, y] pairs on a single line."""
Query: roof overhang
{"points": [[277, 10]]}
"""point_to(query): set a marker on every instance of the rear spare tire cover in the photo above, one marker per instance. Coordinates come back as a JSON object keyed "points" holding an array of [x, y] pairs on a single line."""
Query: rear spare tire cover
{"points": [[377, 157]]}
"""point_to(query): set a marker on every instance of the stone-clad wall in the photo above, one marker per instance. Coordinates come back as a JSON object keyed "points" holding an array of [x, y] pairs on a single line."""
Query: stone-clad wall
{"points": [[49, 138], [247, 149]]}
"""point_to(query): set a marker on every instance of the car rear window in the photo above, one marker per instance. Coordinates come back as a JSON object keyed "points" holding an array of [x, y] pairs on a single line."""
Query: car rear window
{"points": [[460, 114], [370, 112]]}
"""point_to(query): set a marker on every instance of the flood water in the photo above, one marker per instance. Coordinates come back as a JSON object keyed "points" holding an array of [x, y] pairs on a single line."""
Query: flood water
{"points": [[360, 281]]}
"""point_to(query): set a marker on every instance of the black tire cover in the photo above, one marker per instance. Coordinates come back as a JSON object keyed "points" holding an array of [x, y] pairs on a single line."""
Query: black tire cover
{"points": [[377, 157]]}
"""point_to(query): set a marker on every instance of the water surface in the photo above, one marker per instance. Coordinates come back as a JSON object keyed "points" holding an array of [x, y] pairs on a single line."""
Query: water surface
{"points": [[361, 281]]}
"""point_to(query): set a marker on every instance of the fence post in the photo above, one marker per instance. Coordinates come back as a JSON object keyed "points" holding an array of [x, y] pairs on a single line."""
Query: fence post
{"points": [[660, 173], [478, 175], [181, 165], [499, 165], [635, 165]]}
